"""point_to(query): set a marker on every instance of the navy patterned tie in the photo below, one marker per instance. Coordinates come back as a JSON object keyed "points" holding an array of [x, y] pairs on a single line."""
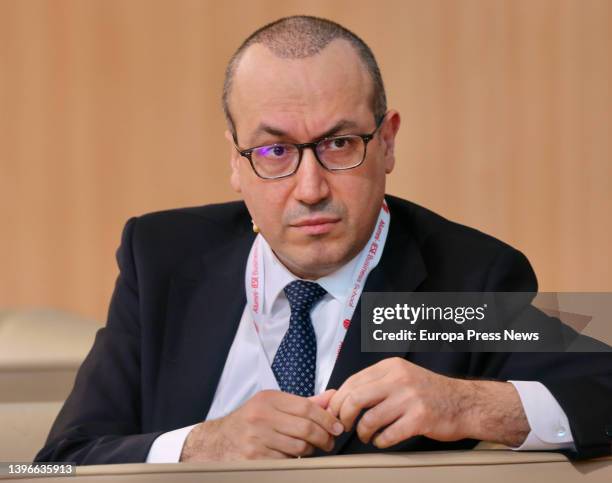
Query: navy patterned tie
{"points": [[295, 361]]}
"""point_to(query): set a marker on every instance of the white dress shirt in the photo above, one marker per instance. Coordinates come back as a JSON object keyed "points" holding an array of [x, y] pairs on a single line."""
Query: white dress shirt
{"points": [[239, 381]]}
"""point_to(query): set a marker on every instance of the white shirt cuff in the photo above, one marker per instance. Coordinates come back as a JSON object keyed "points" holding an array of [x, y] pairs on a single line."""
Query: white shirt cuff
{"points": [[549, 424], [167, 447]]}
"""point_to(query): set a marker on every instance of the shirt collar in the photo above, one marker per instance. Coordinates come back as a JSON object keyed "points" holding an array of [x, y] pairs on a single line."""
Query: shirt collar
{"points": [[277, 277]]}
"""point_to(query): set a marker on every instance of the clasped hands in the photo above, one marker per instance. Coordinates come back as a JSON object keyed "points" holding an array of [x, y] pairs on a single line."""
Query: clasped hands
{"points": [[399, 400]]}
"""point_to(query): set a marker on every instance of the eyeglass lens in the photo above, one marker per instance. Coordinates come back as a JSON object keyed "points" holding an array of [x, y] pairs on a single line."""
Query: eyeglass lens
{"points": [[340, 152]]}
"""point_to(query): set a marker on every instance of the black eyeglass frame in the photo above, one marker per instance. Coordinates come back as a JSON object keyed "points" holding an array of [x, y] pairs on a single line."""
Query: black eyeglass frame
{"points": [[246, 153]]}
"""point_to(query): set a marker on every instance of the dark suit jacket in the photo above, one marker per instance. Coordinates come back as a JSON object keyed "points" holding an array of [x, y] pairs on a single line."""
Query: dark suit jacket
{"points": [[179, 298]]}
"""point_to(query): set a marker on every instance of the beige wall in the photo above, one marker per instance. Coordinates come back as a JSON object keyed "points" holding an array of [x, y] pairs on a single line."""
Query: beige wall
{"points": [[110, 108]]}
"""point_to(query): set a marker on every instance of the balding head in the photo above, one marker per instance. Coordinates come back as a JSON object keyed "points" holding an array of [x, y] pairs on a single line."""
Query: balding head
{"points": [[299, 37], [307, 80]]}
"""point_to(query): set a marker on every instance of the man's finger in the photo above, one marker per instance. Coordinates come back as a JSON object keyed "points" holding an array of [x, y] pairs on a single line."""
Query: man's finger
{"points": [[362, 397], [379, 416], [323, 398], [289, 446], [309, 410], [303, 429], [365, 376], [396, 432], [270, 453]]}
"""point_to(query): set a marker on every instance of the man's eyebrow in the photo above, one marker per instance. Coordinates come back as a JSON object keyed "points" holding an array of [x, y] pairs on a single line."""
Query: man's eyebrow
{"points": [[339, 126], [267, 129], [264, 128]]}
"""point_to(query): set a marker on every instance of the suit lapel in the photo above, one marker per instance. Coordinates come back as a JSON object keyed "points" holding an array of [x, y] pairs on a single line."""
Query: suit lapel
{"points": [[206, 301], [401, 269]]}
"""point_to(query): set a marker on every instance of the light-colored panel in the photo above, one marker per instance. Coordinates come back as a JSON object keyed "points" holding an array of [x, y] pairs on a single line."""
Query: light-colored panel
{"points": [[110, 108]]}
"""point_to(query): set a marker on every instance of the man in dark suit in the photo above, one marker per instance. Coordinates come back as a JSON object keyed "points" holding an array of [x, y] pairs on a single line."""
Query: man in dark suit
{"points": [[221, 344]]}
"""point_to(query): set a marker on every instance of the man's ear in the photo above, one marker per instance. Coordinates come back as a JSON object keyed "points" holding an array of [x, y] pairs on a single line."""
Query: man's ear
{"points": [[388, 132], [234, 163]]}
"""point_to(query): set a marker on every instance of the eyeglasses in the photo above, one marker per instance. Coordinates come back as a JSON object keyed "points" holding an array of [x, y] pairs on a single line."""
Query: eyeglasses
{"points": [[335, 153]]}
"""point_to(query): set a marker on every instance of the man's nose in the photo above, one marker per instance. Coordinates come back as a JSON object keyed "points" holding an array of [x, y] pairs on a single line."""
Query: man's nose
{"points": [[311, 180]]}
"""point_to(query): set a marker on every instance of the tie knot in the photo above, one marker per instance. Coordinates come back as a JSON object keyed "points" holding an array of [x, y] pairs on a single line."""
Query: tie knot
{"points": [[302, 295]]}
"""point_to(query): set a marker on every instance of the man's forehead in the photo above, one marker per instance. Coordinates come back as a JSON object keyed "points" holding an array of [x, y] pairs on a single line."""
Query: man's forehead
{"points": [[331, 81]]}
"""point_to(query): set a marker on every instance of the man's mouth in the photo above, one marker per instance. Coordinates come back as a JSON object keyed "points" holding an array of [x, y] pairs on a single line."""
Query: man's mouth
{"points": [[317, 225]]}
